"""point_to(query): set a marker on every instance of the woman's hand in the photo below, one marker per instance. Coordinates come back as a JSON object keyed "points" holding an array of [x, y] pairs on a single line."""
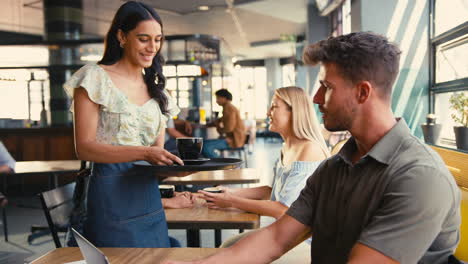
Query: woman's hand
{"points": [[180, 200], [217, 200], [225, 189], [190, 195], [159, 156]]}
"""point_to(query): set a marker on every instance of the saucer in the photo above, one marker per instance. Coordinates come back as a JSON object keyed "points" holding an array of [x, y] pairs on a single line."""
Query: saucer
{"points": [[198, 161]]}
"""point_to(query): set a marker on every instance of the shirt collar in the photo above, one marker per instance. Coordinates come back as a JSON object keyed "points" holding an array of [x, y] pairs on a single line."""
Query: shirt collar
{"points": [[385, 149]]}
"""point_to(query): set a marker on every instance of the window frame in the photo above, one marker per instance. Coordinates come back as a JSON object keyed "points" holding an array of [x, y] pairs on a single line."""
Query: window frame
{"points": [[435, 41]]}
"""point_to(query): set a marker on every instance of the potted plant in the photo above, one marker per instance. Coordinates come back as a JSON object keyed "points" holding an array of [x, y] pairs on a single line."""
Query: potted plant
{"points": [[431, 130], [459, 103]]}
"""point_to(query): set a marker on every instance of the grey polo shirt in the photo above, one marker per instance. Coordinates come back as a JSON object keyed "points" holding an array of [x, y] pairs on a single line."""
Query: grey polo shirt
{"points": [[398, 199]]}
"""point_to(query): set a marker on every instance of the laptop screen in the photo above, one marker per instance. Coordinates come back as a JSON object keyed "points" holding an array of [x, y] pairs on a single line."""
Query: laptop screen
{"points": [[91, 254]]}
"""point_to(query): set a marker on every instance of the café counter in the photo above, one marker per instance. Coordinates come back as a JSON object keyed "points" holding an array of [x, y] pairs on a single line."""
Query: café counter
{"points": [[29, 144]]}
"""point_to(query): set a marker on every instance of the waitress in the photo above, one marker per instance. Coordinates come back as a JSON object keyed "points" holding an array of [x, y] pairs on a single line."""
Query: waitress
{"points": [[120, 111]]}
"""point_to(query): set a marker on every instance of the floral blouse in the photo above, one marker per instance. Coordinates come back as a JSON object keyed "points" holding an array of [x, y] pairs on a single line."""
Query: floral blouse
{"points": [[121, 122]]}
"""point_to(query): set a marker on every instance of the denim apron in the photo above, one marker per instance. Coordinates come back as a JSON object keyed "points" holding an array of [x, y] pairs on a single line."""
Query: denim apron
{"points": [[124, 208]]}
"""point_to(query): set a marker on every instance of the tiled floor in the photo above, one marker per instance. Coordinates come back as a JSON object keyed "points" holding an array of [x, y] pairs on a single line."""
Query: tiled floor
{"points": [[24, 212]]}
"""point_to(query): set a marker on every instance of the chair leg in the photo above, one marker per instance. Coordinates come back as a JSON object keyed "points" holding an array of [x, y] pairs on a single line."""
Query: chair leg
{"points": [[246, 158], [5, 224]]}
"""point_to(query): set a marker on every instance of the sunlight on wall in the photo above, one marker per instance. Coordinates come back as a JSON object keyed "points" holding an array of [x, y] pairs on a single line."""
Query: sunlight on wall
{"points": [[413, 62], [406, 23]]}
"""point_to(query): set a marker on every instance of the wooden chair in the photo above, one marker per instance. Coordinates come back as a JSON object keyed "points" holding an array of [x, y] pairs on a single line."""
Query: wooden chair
{"points": [[58, 206], [457, 163], [241, 151], [336, 148]]}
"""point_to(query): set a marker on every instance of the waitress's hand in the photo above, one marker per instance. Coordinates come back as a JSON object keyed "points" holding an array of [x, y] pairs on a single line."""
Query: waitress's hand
{"points": [[159, 156]]}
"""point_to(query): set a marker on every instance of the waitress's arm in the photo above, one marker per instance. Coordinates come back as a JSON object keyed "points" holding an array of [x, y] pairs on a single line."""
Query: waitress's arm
{"points": [[159, 142], [86, 117]]}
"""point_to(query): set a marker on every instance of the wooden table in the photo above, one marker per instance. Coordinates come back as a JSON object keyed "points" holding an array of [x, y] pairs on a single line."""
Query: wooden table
{"points": [[49, 167], [236, 176], [128, 255], [201, 217]]}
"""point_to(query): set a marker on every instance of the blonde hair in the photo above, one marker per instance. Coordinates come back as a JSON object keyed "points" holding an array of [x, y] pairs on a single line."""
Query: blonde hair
{"points": [[304, 119]]}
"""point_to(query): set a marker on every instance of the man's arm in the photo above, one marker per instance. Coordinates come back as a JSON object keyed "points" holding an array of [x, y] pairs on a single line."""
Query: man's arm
{"points": [[228, 120], [174, 132], [262, 246], [362, 254], [419, 213]]}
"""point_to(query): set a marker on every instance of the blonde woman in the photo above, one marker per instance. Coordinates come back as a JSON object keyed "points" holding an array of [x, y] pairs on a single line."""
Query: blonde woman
{"points": [[292, 116]]}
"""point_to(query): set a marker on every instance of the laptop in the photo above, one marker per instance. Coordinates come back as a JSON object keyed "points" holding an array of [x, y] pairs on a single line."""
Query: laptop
{"points": [[91, 254]]}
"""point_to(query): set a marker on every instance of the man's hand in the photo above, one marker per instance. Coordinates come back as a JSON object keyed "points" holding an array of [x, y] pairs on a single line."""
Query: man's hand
{"points": [[5, 169]]}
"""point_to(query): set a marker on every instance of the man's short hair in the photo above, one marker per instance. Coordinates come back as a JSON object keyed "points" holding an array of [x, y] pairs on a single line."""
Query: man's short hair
{"points": [[224, 93], [359, 56]]}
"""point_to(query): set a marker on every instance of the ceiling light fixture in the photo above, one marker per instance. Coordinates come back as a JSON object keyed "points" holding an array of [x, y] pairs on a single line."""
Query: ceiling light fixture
{"points": [[203, 8]]}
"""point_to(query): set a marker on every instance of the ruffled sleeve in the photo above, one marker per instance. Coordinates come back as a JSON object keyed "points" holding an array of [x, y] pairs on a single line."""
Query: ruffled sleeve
{"points": [[172, 107], [99, 87]]}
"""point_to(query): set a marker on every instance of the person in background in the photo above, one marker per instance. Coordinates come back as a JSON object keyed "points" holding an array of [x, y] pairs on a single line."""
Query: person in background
{"points": [[386, 197], [120, 111], [292, 116], [172, 133], [7, 162], [230, 125], [7, 165], [251, 130]]}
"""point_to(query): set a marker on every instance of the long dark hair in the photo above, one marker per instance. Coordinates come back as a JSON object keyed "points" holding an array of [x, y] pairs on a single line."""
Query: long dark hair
{"points": [[126, 19]]}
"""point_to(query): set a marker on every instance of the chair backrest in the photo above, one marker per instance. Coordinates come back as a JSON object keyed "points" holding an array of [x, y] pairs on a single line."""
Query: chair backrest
{"points": [[58, 206], [336, 148], [457, 163]]}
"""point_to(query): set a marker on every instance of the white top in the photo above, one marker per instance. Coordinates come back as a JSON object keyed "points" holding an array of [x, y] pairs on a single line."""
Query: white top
{"points": [[289, 181], [6, 158], [121, 122]]}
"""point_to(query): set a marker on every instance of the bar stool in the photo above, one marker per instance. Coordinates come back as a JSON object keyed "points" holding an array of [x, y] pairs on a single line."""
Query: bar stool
{"points": [[241, 151]]}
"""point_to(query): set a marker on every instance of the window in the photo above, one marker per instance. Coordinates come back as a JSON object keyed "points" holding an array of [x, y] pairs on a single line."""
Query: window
{"points": [[248, 86], [289, 75], [179, 82], [449, 56], [341, 19], [452, 60], [14, 94], [336, 22], [449, 15], [14, 83]]}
